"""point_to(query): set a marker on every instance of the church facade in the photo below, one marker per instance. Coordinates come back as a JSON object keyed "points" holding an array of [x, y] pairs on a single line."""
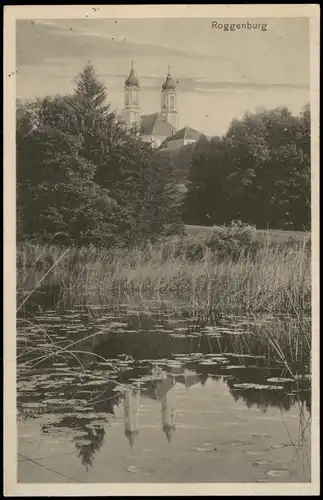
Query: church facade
{"points": [[156, 128]]}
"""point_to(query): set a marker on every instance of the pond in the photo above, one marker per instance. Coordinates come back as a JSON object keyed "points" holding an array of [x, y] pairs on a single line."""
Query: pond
{"points": [[153, 392]]}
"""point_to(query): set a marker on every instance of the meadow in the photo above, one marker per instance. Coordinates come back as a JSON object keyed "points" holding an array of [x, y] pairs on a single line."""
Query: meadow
{"points": [[260, 235]]}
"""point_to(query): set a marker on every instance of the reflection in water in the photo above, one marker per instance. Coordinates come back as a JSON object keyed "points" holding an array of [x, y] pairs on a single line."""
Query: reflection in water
{"points": [[87, 422], [89, 438], [131, 403], [159, 391], [149, 355]]}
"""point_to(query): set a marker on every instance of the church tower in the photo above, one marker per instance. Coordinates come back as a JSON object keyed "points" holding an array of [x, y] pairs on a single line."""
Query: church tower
{"points": [[131, 99], [169, 100]]}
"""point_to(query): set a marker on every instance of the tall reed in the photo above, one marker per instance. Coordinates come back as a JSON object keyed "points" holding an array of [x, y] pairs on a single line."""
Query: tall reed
{"points": [[272, 277]]}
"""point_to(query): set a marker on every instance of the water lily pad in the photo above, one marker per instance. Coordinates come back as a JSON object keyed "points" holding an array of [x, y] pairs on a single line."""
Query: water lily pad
{"points": [[34, 405], [139, 470], [55, 401], [118, 325], [82, 442], [235, 367], [278, 473], [203, 449], [121, 388], [248, 385], [279, 380], [174, 364], [260, 462], [254, 452]]}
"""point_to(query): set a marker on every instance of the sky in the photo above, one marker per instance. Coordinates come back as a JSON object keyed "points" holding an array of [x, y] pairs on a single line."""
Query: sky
{"points": [[220, 74]]}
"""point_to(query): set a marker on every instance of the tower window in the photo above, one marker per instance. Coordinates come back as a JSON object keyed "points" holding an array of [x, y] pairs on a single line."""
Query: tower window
{"points": [[172, 102]]}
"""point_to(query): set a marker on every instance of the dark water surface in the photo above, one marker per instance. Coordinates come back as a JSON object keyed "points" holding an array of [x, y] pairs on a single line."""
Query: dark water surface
{"points": [[152, 393]]}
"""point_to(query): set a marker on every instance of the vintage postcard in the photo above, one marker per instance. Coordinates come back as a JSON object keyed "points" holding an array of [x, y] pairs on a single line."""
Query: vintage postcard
{"points": [[161, 253]]}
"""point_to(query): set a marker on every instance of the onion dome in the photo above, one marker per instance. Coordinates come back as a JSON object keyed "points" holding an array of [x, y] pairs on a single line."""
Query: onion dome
{"points": [[132, 80], [169, 431], [169, 83]]}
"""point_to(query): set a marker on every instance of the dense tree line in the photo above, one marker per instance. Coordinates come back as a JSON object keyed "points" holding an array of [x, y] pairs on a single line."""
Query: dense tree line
{"points": [[259, 173], [83, 178]]}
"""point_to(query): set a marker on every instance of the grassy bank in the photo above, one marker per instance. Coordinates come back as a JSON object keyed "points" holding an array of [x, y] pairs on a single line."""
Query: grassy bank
{"points": [[270, 275], [260, 235]]}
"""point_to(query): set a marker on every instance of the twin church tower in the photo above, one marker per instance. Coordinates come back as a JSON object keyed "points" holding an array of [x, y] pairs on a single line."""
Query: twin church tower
{"points": [[168, 114]]}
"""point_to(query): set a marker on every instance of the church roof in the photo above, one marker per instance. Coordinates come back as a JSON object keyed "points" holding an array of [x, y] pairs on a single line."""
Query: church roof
{"points": [[159, 389], [156, 124], [189, 380], [186, 133]]}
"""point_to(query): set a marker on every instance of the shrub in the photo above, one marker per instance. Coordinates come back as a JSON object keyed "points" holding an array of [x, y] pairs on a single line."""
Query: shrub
{"points": [[231, 240], [195, 251]]}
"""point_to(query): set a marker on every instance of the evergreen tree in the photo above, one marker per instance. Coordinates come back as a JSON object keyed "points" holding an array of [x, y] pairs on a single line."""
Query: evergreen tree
{"points": [[81, 174]]}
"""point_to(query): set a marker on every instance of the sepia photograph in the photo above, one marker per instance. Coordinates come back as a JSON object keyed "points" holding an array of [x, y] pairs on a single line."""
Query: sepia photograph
{"points": [[163, 248]]}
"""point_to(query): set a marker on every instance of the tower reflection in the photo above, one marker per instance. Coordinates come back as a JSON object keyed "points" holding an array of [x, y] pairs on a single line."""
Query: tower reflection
{"points": [[131, 404], [158, 390]]}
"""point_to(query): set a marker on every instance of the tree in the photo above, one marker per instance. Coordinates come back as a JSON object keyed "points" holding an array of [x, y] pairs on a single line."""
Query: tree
{"points": [[258, 173], [60, 143], [81, 174], [181, 158], [206, 201], [145, 200], [56, 190], [96, 124]]}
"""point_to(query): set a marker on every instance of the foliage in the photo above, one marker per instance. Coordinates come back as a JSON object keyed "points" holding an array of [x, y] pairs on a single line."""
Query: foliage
{"points": [[146, 206], [206, 198], [258, 172], [181, 159], [276, 277], [83, 178], [232, 240]]}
